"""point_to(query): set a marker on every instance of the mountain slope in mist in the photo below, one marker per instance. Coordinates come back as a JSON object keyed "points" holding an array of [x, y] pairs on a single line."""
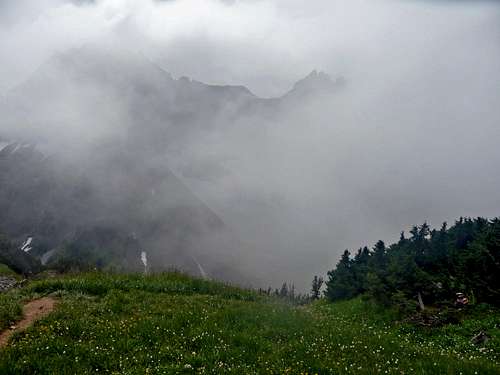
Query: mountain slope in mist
{"points": [[87, 170], [112, 205]]}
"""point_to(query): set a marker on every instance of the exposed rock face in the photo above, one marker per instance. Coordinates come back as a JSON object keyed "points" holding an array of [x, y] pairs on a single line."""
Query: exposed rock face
{"points": [[7, 283], [480, 339]]}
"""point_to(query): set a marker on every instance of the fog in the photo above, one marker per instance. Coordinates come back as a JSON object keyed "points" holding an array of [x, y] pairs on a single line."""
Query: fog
{"points": [[411, 136]]}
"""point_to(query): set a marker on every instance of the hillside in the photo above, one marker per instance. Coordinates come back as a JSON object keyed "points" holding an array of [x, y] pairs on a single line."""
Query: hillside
{"points": [[171, 323]]}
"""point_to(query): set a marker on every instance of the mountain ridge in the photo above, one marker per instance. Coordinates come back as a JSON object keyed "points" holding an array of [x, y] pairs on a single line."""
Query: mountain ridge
{"points": [[106, 125]]}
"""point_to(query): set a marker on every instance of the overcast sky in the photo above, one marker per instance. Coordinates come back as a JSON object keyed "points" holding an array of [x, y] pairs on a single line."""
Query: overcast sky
{"points": [[248, 41]]}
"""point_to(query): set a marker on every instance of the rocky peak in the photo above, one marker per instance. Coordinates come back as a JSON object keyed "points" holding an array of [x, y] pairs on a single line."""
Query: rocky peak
{"points": [[317, 82]]}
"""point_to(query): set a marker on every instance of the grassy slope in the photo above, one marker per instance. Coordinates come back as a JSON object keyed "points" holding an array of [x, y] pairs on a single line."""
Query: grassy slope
{"points": [[10, 310], [173, 324], [6, 271]]}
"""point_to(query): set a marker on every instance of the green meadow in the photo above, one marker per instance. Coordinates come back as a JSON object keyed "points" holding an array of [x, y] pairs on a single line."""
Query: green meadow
{"points": [[173, 324]]}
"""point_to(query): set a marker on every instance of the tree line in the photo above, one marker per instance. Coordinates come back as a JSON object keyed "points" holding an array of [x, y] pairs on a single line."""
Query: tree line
{"points": [[429, 266]]}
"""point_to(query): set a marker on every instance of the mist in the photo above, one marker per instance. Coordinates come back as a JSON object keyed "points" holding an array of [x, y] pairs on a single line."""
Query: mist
{"points": [[411, 135]]}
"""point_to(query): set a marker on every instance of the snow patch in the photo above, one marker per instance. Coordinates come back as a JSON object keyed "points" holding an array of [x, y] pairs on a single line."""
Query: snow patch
{"points": [[27, 245], [17, 147], [144, 260], [200, 268], [46, 257]]}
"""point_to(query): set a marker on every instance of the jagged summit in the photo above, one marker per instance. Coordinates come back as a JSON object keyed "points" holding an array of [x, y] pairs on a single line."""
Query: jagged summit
{"points": [[316, 82], [125, 67], [120, 88]]}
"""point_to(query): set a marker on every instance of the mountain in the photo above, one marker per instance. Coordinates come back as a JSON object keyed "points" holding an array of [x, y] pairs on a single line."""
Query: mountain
{"points": [[86, 145], [120, 92], [58, 204]]}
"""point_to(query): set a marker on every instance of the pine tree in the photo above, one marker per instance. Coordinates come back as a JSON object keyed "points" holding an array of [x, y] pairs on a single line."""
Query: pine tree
{"points": [[341, 281]]}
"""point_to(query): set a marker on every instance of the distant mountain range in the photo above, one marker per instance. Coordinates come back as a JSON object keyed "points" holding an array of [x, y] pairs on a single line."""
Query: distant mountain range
{"points": [[84, 159], [126, 92]]}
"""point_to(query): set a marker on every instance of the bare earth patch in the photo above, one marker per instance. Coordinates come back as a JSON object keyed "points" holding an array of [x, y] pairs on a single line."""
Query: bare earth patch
{"points": [[32, 311]]}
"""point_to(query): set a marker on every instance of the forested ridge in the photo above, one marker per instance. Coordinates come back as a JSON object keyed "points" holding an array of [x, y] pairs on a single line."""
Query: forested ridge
{"points": [[430, 264]]}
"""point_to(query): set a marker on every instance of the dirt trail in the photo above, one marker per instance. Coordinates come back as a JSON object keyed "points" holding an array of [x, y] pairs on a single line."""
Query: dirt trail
{"points": [[32, 311]]}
